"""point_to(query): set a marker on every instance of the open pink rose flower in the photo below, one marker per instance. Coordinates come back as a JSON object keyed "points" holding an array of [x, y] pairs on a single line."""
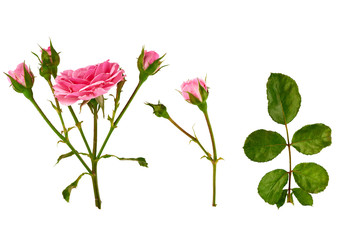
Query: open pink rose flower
{"points": [[149, 58], [192, 86], [87, 83], [19, 75]]}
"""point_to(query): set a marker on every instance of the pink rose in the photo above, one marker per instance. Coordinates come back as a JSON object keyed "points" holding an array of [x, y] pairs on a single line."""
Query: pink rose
{"points": [[193, 87], [19, 75], [87, 83], [149, 58]]}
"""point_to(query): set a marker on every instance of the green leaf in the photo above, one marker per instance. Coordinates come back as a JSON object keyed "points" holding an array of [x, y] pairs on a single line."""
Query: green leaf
{"points": [[303, 197], [311, 139], [282, 199], [64, 156], [311, 177], [263, 145], [271, 185], [142, 162], [68, 189], [284, 99]]}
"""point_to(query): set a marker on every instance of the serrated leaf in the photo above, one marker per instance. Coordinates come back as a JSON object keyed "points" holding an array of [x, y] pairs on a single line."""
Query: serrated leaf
{"points": [[311, 177], [271, 185], [66, 155], [283, 96], [68, 189], [263, 145], [311, 139], [303, 197], [282, 199]]}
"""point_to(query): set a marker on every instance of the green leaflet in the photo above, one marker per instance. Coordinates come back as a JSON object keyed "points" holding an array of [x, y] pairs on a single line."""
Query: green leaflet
{"points": [[263, 145], [68, 189], [69, 154], [282, 199], [303, 197], [271, 185], [283, 96], [311, 139], [311, 177], [141, 161]]}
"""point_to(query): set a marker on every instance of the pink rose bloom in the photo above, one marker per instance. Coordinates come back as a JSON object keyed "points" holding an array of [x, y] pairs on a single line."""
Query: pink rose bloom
{"points": [[149, 58], [87, 83], [192, 87], [19, 75]]}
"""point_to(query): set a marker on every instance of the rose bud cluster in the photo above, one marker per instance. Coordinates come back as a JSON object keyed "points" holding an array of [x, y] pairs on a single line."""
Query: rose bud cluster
{"points": [[49, 62], [149, 63], [22, 80]]}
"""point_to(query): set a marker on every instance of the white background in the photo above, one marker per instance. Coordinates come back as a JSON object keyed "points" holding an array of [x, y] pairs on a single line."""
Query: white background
{"points": [[237, 44]]}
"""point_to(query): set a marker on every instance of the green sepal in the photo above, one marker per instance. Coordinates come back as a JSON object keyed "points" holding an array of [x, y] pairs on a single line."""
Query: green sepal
{"points": [[204, 93], [66, 155], [303, 197], [140, 60], [311, 139], [141, 161], [29, 80], [194, 100], [271, 185], [68, 189], [282, 199], [263, 145], [159, 110], [311, 177], [16, 86], [284, 99], [100, 100], [55, 56]]}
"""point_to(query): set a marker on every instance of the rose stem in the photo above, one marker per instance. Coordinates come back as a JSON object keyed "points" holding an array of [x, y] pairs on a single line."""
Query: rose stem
{"points": [[59, 135], [114, 125], [94, 160], [78, 125], [214, 161]]}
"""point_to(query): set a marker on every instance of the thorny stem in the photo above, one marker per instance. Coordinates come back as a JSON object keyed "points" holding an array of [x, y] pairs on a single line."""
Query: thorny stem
{"points": [[58, 109], [94, 160], [78, 125], [64, 139], [194, 139], [115, 123], [215, 160]]}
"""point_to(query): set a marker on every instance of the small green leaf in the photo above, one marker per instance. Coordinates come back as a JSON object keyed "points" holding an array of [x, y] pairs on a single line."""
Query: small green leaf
{"points": [[311, 139], [283, 96], [64, 156], [263, 145], [271, 185], [142, 162], [303, 197], [68, 189], [311, 177], [282, 199]]}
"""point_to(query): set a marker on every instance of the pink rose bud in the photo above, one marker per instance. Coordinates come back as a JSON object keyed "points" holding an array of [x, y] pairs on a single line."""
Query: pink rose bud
{"points": [[48, 50], [22, 76], [195, 91], [22, 79], [149, 58], [87, 83], [149, 63]]}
